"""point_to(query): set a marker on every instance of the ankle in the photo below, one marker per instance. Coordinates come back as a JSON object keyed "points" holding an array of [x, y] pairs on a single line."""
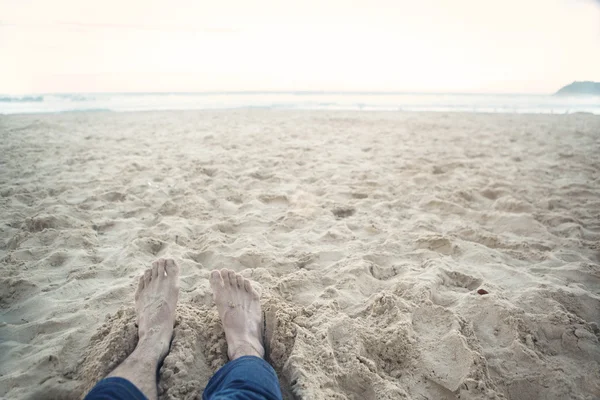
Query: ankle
{"points": [[152, 347], [245, 349]]}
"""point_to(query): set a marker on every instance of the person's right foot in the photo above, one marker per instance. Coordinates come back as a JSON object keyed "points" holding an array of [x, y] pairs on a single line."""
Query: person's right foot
{"points": [[238, 304]]}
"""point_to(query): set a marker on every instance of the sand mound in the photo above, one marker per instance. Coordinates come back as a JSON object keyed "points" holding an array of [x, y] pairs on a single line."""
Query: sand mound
{"points": [[318, 352], [197, 350]]}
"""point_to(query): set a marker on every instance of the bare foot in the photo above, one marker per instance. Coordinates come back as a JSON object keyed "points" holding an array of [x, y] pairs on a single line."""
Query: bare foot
{"points": [[238, 304], [155, 302]]}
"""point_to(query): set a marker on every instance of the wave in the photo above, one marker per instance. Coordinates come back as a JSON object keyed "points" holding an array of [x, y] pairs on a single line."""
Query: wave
{"points": [[74, 97], [85, 110], [123, 102], [22, 99], [48, 97]]}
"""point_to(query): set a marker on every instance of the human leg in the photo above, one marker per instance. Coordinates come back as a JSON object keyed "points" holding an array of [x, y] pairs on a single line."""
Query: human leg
{"points": [[245, 378], [247, 375], [155, 301]]}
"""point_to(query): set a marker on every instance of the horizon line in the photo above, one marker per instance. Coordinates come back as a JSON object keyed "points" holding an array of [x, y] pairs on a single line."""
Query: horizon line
{"points": [[297, 92]]}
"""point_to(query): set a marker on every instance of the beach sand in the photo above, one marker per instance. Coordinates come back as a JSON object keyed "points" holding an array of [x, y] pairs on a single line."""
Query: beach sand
{"points": [[370, 235]]}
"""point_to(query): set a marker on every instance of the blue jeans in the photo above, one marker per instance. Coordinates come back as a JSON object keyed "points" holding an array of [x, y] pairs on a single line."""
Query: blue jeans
{"points": [[246, 378]]}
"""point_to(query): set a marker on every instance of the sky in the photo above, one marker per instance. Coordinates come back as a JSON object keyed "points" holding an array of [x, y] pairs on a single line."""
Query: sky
{"points": [[473, 46]]}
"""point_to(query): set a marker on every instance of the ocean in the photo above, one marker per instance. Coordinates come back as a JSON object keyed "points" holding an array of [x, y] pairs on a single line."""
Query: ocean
{"points": [[447, 102]]}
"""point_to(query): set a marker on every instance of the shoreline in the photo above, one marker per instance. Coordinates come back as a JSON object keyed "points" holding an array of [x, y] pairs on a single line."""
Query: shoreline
{"points": [[284, 110]]}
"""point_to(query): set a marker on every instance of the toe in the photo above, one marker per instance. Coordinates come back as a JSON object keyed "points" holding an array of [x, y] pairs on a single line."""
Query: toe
{"points": [[161, 270], [155, 268], [171, 267], [140, 287], [216, 281], [162, 265], [254, 292], [225, 275], [147, 276], [247, 286], [240, 281], [232, 279]]}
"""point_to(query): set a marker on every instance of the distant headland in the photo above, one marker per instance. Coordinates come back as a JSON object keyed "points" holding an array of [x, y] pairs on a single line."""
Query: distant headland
{"points": [[580, 88]]}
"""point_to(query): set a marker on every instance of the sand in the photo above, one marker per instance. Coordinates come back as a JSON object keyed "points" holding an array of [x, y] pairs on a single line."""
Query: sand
{"points": [[369, 233]]}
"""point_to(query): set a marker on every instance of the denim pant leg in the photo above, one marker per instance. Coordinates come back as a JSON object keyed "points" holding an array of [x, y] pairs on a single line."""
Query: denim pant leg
{"points": [[245, 378]]}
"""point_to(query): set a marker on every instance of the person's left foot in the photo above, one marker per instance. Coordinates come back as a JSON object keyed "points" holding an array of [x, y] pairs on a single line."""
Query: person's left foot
{"points": [[155, 302]]}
